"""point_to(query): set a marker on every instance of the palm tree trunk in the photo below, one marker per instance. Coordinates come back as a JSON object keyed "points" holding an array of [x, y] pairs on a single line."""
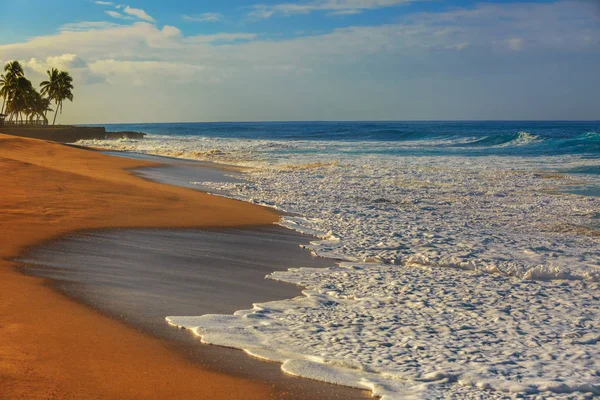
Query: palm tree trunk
{"points": [[3, 104], [56, 113]]}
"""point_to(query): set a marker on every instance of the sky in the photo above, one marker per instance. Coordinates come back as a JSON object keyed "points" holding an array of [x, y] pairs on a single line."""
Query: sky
{"points": [[279, 60]]}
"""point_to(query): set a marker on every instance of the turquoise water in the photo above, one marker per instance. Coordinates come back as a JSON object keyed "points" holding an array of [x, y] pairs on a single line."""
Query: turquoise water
{"points": [[571, 147], [528, 139]]}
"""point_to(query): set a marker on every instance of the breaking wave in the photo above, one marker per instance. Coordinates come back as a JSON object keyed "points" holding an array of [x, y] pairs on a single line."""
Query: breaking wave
{"points": [[460, 273]]}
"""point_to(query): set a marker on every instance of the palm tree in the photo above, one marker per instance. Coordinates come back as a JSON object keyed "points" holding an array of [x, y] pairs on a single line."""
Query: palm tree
{"points": [[13, 70], [5, 89], [58, 88], [20, 99], [30, 102], [39, 106], [43, 108], [32, 98], [64, 91], [50, 87]]}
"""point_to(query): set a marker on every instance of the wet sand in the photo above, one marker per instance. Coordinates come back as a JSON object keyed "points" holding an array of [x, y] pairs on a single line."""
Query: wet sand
{"points": [[140, 276], [54, 347], [144, 275]]}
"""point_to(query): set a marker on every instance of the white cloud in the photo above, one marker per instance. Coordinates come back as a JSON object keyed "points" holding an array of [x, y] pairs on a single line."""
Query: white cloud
{"points": [[261, 11], [66, 61], [206, 17], [221, 37], [515, 44], [171, 32], [136, 40], [105, 3], [142, 73], [62, 62], [457, 64], [76, 66], [346, 12], [138, 13], [87, 26], [115, 14], [335, 7]]}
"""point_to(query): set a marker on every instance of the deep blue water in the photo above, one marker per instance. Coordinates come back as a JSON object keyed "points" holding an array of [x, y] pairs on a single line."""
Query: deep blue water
{"points": [[523, 138]]}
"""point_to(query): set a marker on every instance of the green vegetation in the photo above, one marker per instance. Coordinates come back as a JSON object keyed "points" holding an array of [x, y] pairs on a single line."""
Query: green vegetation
{"points": [[24, 104]]}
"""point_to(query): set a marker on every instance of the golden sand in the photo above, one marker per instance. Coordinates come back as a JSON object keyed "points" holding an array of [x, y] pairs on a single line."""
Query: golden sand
{"points": [[54, 348]]}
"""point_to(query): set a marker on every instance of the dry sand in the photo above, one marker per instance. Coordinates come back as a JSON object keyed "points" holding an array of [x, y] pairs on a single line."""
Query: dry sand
{"points": [[52, 347]]}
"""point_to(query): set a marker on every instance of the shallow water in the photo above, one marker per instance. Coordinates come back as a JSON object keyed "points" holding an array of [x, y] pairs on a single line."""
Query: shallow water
{"points": [[138, 276], [174, 171], [499, 207], [145, 274]]}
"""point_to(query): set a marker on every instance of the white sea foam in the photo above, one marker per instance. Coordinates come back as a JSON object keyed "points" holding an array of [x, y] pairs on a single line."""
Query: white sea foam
{"points": [[421, 331], [477, 214], [523, 139], [465, 277]]}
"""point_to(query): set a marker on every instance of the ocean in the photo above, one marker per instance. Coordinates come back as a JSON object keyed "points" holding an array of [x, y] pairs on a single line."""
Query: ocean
{"points": [[468, 253], [526, 138]]}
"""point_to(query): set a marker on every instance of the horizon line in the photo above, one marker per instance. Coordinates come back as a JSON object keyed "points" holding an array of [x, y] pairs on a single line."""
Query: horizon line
{"points": [[338, 121]]}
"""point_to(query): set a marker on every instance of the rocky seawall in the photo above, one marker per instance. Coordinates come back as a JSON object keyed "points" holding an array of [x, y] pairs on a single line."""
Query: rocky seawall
{"points": [[68, 134]]}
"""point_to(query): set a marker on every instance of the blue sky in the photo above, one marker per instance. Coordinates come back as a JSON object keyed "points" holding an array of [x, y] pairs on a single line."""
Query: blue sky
{"points": [[186, 15], [212, 60]]}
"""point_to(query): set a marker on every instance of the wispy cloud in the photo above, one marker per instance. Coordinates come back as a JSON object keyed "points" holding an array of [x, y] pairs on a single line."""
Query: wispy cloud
{"points": [[515, 44], [126, 12], [206, 17], [138, 13], [85, 26], [115, 14], [221, 37], [351, 11], [333, 7]]}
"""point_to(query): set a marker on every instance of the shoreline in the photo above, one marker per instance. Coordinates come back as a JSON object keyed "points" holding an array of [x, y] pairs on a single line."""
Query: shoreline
{"points": [[422, 213], [571, 296], [53, 347], [121, 273]]}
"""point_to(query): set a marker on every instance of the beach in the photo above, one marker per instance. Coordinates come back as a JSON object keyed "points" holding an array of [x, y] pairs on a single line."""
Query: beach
{"points": [[469, 251], [460, 261], [53, 347], [297, 200], [138, 276]]}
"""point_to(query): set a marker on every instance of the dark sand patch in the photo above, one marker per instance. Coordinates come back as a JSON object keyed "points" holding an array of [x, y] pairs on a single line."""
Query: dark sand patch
{"points": [[139, 276]]}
